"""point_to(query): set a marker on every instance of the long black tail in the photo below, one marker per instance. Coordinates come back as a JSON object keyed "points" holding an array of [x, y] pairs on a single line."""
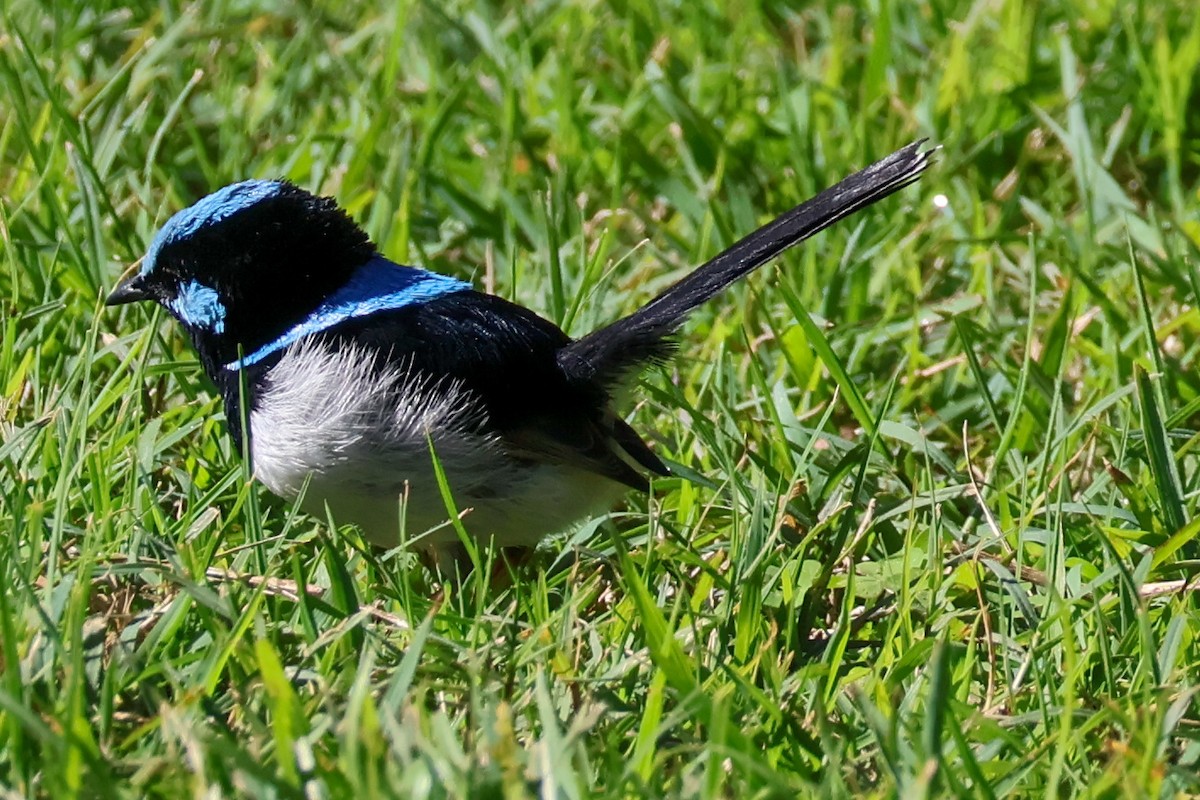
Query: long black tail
{"points": [[610, 353]]}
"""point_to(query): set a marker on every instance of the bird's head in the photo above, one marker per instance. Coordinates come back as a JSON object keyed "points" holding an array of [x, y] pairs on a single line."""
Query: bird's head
{"points": [[245, 263]]}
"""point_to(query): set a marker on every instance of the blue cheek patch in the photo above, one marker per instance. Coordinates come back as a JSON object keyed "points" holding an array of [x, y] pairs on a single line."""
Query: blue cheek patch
{"points": [[199, 306], [216, 207], [378, 285]]}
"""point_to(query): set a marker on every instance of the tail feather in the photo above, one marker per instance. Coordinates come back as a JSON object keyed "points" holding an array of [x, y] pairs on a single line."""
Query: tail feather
{"points": [[610, 353]]}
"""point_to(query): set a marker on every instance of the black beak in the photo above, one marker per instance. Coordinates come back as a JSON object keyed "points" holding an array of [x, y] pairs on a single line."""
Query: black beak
{"points": [[130, 290]]}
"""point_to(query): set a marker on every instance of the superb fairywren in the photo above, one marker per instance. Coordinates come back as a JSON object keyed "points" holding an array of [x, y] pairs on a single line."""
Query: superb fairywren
{"points": [[351, 367]]}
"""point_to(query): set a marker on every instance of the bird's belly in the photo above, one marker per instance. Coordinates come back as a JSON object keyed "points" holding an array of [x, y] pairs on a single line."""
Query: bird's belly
{"points": [[543, 501], [504, 502], [360, 446]]}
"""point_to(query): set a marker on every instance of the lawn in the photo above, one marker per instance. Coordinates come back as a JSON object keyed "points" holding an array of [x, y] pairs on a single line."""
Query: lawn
{"points": [[934, 521]]}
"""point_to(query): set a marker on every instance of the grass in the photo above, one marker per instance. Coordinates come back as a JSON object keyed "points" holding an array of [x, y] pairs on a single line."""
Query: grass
{"points": [[934, 530]]}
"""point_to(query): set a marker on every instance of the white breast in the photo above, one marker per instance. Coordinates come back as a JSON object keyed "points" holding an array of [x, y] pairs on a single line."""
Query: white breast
{"points": [[362, 439]]}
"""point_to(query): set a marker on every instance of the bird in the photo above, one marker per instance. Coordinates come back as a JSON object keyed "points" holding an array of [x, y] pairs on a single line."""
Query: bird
{"points": [[345, 377]]}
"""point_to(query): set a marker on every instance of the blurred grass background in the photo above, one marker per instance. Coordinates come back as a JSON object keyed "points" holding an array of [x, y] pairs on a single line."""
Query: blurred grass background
{"points": [[935, 526]]}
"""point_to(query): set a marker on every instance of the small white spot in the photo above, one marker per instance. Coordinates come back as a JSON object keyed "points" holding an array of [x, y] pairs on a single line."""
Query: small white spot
{"points": [[941, 201]]}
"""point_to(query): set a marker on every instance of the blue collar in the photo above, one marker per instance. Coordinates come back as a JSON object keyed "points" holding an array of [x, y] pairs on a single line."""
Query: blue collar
{"points": [[378, 285]]}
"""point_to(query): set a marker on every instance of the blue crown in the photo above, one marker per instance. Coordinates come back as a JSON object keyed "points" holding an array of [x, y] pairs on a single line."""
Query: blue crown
{"points": [[216, 207]]}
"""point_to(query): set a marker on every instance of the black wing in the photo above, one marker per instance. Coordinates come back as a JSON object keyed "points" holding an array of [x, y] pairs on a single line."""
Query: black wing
{"points": [[507, 357]]}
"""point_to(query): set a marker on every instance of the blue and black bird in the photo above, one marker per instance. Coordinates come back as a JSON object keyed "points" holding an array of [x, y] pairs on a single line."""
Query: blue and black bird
{"points": [[347, 368]]}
